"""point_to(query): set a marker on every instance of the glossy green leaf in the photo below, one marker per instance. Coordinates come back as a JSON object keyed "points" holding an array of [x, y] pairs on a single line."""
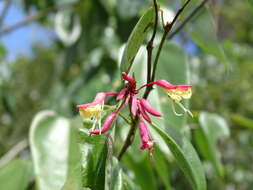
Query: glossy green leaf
{"points": [[16, 175], [94, 154], [187, 159], [116, 181], [55, 152], [136, 39], [161, 167], [211, 128], [242, 121]]}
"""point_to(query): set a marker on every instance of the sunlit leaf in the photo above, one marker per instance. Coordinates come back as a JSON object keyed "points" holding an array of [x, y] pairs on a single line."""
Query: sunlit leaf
{"points": [[94, 154], [187, 159], [16, 175], [55, 154], [136, 39]]}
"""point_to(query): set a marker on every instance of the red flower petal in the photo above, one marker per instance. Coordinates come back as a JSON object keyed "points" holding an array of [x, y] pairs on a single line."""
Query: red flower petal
{"points": [[148, 108], [107, 124], [134, 105], [143, 112]]}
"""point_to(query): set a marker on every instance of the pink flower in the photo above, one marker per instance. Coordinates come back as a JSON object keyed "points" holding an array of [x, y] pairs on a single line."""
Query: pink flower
{"points": [[93, 109], [147, 142], [122, 94], [176, 93], [107, 124]]}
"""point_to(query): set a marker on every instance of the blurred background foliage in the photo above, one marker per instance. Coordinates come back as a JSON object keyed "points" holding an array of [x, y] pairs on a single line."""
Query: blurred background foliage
{"points": [[83, 58]]}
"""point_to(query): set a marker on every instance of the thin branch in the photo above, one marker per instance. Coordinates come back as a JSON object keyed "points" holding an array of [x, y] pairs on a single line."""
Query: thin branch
{"points": [[128, 140], [35, 17], [167, 29], [187, 19], [150, 43], [15, 150], [4, 11]]}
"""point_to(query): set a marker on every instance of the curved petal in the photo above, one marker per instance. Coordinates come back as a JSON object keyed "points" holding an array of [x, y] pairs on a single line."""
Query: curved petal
{"points": [[143, 112], [134, 105], [148, 108]]}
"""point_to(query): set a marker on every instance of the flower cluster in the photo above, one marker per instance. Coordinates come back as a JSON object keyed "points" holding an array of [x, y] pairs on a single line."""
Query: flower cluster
{"points": [[140, 108]]}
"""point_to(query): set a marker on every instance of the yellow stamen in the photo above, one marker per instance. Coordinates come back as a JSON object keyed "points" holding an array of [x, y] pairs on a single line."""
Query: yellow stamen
{"points": [[179, 94], [91, 111]]}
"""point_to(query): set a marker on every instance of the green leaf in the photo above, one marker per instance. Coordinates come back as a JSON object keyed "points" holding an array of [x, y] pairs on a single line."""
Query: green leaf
{"points": [[16, 175], [55, 153], [187, 159], [242, 121], [94, 154], [211, 128], [203, 32], [161, 167], [136, 39], [117, 179]]}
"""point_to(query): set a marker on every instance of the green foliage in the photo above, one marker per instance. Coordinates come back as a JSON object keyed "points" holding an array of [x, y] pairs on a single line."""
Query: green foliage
{"points": [[55, 153], [187, 159], [16, 175], [136, 39]]}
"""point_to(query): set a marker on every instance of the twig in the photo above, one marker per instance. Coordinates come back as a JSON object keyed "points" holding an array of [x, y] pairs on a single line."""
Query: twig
{"points": [[167, 29], [128, 140], [4, 11], [150, 51], [15, 150], [150, 43], [187, 19], [35, 17]]}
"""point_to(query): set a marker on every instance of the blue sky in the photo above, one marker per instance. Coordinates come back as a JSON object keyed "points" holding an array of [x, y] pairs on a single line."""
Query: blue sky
{"points": [[21, 40]]}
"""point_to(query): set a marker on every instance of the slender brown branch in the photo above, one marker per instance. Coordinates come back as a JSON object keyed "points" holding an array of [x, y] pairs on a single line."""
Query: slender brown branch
{"points": [[187, 19], [150, 43], [4, 11], [167, 29], [129, 139], [35, 17]]}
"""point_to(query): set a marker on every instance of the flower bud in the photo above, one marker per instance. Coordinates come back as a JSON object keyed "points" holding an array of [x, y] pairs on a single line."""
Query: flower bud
{"points": [[147, 142], [107, 124]]}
